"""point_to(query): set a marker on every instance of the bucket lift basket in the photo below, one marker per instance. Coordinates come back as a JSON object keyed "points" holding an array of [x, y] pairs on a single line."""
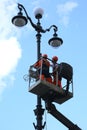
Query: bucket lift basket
{"points": [[49, 91]]}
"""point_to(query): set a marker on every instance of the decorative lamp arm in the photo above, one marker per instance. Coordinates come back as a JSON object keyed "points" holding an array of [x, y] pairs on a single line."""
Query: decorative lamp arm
{"points": [[36, 27]]}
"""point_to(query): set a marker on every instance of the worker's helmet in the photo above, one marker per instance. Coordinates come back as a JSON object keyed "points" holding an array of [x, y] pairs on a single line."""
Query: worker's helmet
{"points": [[44, 56], [55, 58]]}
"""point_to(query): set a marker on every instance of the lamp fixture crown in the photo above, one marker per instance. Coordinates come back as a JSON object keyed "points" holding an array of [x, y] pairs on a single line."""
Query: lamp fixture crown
{"points": [[55, 41], [19, 20]]}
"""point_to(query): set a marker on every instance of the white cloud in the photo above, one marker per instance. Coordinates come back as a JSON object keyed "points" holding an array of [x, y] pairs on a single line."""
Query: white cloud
{"points": [[64, 11], [10, 50], [10, 53]]}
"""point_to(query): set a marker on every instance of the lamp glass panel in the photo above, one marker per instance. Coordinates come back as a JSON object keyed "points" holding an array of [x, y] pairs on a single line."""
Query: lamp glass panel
{"points": [[19, 22], [55, 43]]}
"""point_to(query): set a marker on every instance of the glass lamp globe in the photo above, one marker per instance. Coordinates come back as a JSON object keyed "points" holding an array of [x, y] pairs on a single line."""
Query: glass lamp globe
{"points": [[38, 12]]}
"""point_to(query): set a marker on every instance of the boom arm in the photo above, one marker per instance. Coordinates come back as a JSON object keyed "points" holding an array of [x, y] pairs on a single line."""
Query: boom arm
{"points": [[55, 113]]}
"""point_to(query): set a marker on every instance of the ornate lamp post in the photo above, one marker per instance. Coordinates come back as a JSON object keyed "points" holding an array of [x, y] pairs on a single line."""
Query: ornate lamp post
{"points": [[55, 41]]}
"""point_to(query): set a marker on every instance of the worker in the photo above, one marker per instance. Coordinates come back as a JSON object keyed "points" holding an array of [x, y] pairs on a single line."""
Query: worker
{"points": [[43, 68], [56, 78]]}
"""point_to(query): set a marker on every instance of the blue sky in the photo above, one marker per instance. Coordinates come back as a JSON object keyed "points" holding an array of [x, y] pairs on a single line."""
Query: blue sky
{"points": [[18, 50]]}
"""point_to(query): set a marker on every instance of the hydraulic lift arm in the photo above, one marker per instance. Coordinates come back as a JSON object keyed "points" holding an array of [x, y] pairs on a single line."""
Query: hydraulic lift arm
{"points": [[55, 113]]}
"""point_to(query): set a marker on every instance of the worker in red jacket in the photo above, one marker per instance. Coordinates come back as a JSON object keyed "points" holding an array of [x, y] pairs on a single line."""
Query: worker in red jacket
{"points": [[56, 78], [43, 68]]}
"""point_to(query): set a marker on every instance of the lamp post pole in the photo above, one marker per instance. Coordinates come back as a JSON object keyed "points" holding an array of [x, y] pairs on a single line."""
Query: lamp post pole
{"points": [[55, 41], [38, 111]]}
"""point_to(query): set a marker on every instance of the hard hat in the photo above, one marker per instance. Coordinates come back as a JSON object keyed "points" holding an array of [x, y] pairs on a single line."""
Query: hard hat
{"points": [[55, 58], [44, 56]]}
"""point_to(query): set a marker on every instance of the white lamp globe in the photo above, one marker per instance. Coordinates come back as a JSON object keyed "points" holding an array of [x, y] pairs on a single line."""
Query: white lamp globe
{"points": [[38, 12]]}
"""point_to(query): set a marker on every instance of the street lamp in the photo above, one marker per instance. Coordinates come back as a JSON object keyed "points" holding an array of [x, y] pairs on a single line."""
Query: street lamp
{"points": [[21, 20], [55, 41]]}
